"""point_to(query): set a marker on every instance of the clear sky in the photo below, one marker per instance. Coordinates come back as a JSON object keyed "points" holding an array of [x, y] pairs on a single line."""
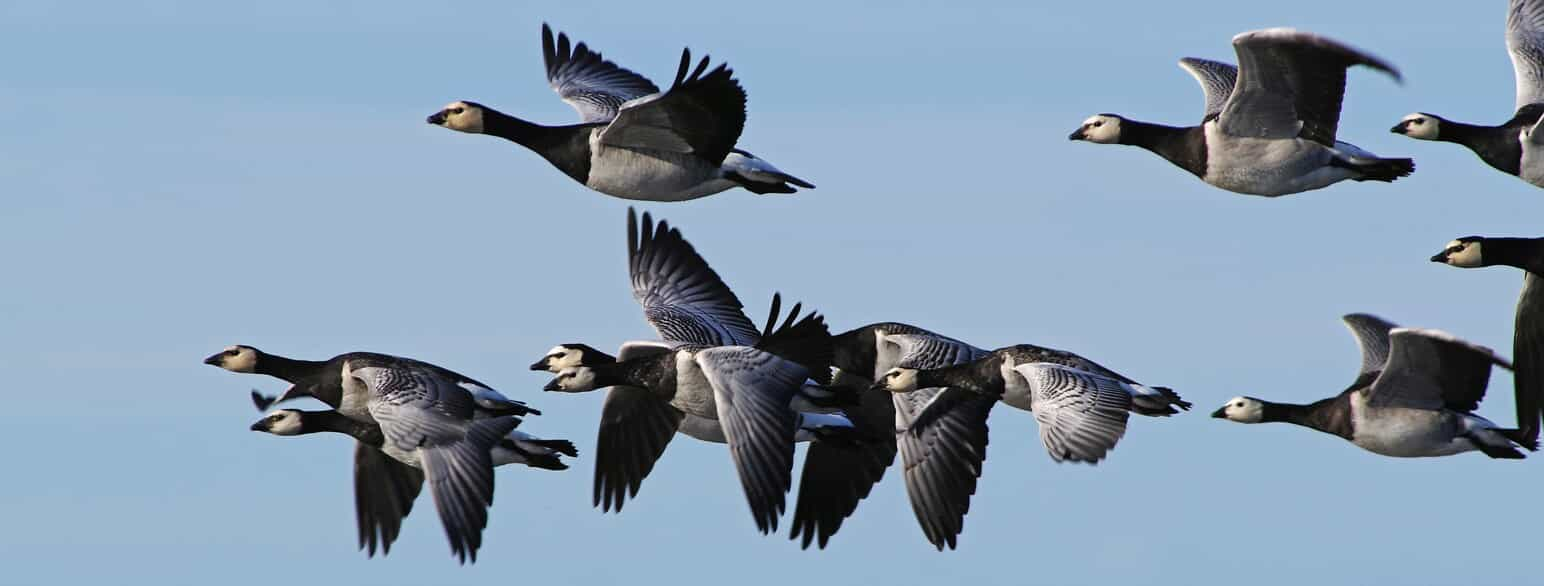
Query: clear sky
{"points": [[176, 177]]}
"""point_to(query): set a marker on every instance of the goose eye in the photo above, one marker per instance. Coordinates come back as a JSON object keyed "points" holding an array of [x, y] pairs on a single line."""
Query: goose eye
{"points": [[232, 352], [456, 110], [1098, 124]]}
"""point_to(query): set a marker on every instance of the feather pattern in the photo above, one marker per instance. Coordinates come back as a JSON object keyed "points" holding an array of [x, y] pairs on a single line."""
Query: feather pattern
{"points": [[595, 87], [1081, 414], [682, 297], [1525, 43], [751, 391]]}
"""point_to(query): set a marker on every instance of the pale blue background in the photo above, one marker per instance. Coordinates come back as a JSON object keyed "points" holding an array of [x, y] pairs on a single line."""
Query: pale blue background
{"points": [[178, 176]]}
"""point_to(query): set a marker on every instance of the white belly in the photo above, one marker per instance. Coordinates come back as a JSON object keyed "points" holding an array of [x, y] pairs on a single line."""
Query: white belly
{"points": [[1532, 169], [1405, 433], [704, 429], [693, 393], [652, 175], [1016, 391], [1268, 166]]}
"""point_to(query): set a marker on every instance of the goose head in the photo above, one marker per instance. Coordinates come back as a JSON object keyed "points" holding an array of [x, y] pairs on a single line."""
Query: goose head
{"points": [[281, 422], [236, 358], [1419, 125], [573, 379], [1099, 128], [1242, 410], [1464, 252], [564, 356], [460, 116], [897, 380]]}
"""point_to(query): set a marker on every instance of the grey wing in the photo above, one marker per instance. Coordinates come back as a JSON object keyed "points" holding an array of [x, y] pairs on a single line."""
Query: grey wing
{"points": [[1432, 369], [460, 477], [836, 476], [682, 297], [1525, 42], [1216, 79], [595, 87], [701, 113], [940, 461], [384, 490], [635, 428], [1372, 335], [1528, 352], [1081, 414], [751, 389], [416, 388], [923, 351], [1290, 84]]}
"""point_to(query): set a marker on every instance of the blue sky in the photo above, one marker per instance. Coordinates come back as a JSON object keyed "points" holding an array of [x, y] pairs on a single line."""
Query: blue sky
{"points": [[178, 177]]}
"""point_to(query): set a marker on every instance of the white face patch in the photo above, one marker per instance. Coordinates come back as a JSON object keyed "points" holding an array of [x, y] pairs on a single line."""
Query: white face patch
{"points": [[1100, 128], [900, 380], [1421, 126], [1463, 254], [1243, 410], [284, 422], [239, 359], [575, 379], [561, 357], [462, 117]]}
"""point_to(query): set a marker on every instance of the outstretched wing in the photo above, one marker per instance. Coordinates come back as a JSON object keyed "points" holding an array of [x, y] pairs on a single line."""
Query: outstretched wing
{"points": [[432, 416], [1216, 79], [595, 87], [1432, 369], [384, 490], [635, 428], [941, 459], [702, 113], [1525, 42], [682, 297], [1372, 334], [751, 389], [1290, 84], [836, 475], [1081, 414]]}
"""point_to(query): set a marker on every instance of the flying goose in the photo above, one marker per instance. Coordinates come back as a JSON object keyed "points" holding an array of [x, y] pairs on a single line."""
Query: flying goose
{"points": [[323, 379], [1081, 407], [517, 447], [1273, 132], [633, 141], [941, 455], [713, 363], [428, 421], [1415, 396], [747, 389], [1511, 147], [328, 381], [384, 487], [1528, 339]]}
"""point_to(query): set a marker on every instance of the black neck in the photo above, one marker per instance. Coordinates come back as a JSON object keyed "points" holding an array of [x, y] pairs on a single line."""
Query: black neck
{"points": [[332, 421], [566, 147], [1183, 146], [287, 369], [1498, 146], [651, 372], [1524, 253], [1322, 415], [982, 376]]}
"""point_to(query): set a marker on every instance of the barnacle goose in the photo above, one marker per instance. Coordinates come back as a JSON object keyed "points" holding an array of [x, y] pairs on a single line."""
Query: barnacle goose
{"points": [[633, 141], [1273, 132]]}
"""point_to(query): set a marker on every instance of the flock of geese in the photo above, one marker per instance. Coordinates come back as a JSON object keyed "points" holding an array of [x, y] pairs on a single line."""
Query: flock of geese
{"points": [[861, 397]]}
